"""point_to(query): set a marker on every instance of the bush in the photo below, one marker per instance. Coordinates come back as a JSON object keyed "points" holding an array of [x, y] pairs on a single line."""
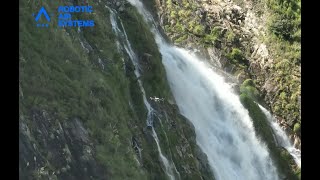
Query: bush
{"points": [[173, 14], [198, 29], [248, 88], [297, 128], [181, 39], [213, 36], [248, 82], [286, 23], [236, 56], [283, 27], [230, 36], [283, 95]]}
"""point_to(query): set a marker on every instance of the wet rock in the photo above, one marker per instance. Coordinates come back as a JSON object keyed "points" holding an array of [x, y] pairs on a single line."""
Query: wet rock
{"points": [[173, 22], [297, 142], [186, 169], [179, 151], [269, 86], [255, 68]]}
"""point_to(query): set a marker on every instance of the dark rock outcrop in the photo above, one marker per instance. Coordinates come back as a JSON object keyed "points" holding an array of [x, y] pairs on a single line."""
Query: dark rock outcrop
{"points": [[51, 148]]}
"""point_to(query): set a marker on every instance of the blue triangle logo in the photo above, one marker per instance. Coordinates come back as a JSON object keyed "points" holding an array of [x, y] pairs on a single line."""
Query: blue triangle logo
{"points": [[44, 12]]}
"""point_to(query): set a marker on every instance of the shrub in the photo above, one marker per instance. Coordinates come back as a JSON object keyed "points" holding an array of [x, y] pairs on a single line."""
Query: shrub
{"points": [[173, 14], [287, 19], [282, 27], [230, 36], [248, 88], [283, 95], [248, 82], [198, 29], [297, 128], [236, 56], [213, 36]]}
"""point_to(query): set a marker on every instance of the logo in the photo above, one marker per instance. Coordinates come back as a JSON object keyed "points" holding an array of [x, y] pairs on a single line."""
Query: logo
{"points": [[64, 18], [45, 14]]}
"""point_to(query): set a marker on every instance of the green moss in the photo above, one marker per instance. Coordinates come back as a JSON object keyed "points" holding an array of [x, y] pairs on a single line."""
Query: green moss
{"points": [[173, 14], [184, 13], [248, 88], [170, 140], [297, 128], [259, 119], [298, 173], [283, 95], [230, 36], [198, 30], [179, 27], [142, 41], [248, 82], [213, 36], [181, 39], [169, 4]]}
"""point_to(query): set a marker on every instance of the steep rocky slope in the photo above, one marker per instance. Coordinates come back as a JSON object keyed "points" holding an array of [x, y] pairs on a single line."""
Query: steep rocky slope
{"points": [[258, 40], [81, 110], [82, 113]]}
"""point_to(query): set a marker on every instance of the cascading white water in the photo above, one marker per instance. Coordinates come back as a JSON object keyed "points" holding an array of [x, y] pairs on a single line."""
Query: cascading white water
{"points": [[122, 35], [168, 167], [224, 130], [223, 127], [282, 138]]}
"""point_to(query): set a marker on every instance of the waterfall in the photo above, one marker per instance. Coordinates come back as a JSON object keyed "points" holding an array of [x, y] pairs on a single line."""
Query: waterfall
{"points": [[224, 130], [282, 138], [122, 35]]}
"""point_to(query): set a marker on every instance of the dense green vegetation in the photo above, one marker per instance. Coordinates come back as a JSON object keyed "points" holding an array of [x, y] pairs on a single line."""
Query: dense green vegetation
{"points": [[186, 25], [57, 75], [297, 128], [248, 88], [286, 20], [236, 56], [285, 47]]}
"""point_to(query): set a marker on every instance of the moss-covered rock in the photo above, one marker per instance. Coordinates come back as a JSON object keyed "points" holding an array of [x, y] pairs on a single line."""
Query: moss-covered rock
{"points": [[281, 157], [297, 128], [248, 88]]}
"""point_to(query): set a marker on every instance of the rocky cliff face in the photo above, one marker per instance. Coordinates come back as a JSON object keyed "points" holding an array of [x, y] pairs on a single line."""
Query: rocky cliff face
{"points": [[239, 31], [49, 149], [81, 110]]}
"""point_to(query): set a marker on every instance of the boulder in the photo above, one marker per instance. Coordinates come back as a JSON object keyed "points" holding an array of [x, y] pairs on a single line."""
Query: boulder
{"points": [[297, 142], [269, 86]]}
